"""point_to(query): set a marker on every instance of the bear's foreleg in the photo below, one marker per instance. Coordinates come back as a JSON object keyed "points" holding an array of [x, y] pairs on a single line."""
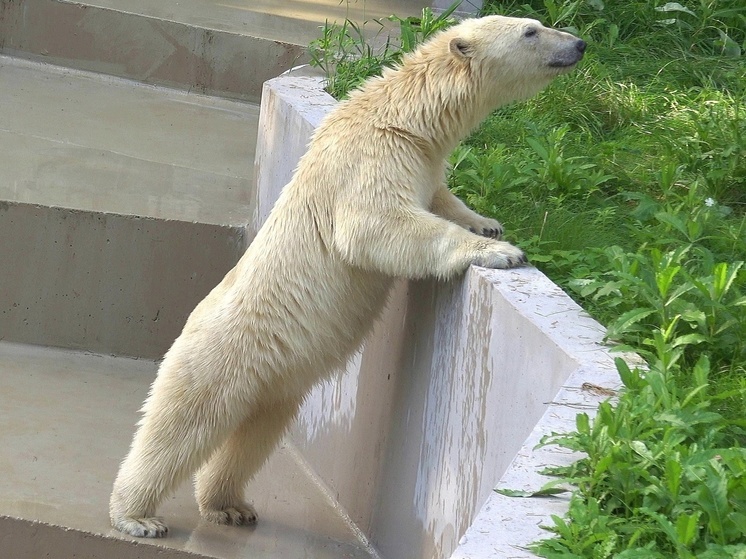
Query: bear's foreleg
{"points": [[221, 482], [448, 206], [412, 243]]}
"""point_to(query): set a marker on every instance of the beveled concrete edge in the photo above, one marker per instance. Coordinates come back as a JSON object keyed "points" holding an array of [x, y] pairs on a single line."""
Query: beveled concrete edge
{"points": [[505, 526], [20, 537]]}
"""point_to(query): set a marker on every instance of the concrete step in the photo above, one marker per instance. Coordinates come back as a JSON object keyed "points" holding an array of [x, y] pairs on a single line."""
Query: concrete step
{"points": [[173, 44], [210, 46], [66, 421], [124, 205]]}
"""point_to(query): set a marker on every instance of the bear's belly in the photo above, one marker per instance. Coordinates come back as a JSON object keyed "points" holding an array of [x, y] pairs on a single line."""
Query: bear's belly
{"points": [[290, 330], [325, 324]]}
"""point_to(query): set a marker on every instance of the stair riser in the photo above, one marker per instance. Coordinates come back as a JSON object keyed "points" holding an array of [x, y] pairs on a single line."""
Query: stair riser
{"points": [[142, 48], [106, 283]]}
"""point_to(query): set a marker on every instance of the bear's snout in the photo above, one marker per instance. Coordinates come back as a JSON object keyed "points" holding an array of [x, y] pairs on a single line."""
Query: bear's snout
{"points": [[569, 54]]}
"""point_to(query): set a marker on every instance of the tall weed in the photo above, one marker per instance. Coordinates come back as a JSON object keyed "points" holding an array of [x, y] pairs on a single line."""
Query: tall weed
{"points": [[349, 53]]}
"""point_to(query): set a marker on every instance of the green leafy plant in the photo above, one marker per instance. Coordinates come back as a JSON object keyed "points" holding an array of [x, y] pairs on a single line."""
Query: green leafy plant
{"points": [[563, 175], [662, 474], [658, 294], [709, 25]]}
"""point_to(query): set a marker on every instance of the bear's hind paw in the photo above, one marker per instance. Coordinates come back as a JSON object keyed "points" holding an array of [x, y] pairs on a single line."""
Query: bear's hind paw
{"points": [[153, 527], [237, 515]]}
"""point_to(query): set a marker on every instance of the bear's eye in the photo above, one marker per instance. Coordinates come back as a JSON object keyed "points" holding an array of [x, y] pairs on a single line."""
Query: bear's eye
{"points": [[530, 32]]}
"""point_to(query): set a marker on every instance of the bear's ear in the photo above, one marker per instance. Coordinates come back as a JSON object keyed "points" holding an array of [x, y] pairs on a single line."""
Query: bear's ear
{"points": [[461, 47]]}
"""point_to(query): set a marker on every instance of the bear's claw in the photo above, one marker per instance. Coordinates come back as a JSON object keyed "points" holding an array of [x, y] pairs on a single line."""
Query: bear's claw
{"points": [[491, 232], [520, 261], [495, 233], [238, 515], [500, 255]]}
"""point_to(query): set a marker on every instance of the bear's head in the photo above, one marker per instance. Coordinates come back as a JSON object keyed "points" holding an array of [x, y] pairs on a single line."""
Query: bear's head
{"points": [[516, 56]]}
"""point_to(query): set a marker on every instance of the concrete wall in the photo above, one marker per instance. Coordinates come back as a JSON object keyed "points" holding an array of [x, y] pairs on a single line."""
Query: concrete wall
{"points": [[427, 419], [103, 282]]}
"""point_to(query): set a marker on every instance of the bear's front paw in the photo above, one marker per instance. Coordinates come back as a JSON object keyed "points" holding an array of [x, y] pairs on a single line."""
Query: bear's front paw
{"points": [[499, 254], [236, 515], [487, 228], [152, 527]]}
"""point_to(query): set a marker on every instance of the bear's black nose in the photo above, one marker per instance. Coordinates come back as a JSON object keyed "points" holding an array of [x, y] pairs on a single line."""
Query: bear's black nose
{"points": [[580, 45]]}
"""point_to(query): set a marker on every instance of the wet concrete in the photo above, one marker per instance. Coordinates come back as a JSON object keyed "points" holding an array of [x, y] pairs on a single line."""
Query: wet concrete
{"points": [[66, 420]]}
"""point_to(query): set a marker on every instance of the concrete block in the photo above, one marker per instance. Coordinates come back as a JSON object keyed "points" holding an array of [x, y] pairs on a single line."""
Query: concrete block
{"points": [[121, 204], [290, 111]]}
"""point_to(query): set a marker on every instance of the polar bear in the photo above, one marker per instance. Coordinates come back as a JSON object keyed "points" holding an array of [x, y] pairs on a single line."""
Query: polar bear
{"points": [[368, 203]]}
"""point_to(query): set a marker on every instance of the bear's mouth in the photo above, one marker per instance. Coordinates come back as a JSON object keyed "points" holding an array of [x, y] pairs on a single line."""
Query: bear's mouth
{"points": [[563, 63], [560, 64], [565, 60]]}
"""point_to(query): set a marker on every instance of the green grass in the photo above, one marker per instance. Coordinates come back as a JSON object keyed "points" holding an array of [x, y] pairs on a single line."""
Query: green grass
{"points": [[625, 182]]}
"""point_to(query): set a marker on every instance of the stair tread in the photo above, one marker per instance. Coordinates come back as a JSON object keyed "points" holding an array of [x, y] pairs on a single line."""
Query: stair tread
{"points": [[291, 21], [66, 420], [92, 142]]}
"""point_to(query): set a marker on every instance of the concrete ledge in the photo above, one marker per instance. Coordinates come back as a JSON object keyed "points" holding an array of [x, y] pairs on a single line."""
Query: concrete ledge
{"points": [[505, 526], [450, 394]]}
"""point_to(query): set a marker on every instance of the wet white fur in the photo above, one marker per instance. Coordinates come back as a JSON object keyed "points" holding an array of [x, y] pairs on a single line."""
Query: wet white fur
{"points": [[368, 203]]}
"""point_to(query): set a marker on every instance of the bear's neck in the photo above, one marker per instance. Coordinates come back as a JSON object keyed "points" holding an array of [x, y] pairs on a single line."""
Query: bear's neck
{"points": [[435, 103]]}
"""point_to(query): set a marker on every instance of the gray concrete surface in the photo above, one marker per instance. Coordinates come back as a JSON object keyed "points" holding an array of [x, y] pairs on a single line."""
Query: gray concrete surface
{"points": [[66, 420], [90, 142], [121, 41], [121, 204], [105, 282]]}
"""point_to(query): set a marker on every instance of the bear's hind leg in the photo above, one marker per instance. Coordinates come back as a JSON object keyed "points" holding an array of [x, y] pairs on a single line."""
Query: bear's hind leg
{"points": [[174, 439], [220, 483]]}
